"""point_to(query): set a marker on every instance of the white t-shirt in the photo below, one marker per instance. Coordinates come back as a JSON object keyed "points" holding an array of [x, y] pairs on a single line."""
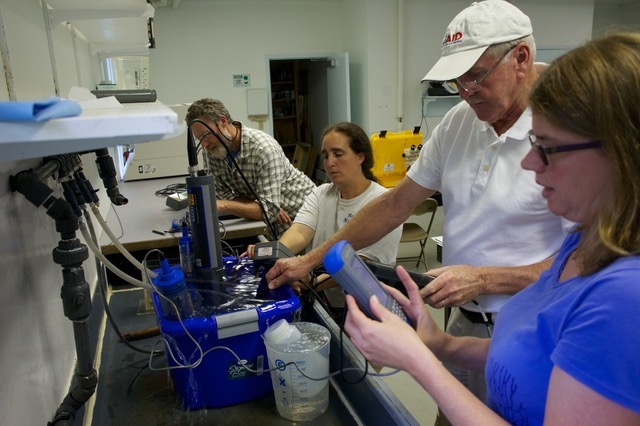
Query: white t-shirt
{"points": [[325, 212], [494, 211]]}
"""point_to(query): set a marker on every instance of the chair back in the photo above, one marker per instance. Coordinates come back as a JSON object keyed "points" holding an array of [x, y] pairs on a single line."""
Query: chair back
{"points": [[428, 206], [417, 228]]}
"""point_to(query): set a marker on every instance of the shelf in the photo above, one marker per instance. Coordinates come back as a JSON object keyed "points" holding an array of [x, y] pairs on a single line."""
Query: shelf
{"points": [[110, 26], [93, 129], [437, 106]]}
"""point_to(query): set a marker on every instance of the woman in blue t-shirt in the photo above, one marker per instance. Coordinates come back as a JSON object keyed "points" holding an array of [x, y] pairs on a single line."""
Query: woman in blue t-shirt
{"points": [[565, 350]]}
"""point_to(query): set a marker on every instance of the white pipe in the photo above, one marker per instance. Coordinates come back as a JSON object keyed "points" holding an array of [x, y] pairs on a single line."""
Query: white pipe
{"points": [[400, 62], [96, 251], [52, 53], [119, 246], [8, 72]]}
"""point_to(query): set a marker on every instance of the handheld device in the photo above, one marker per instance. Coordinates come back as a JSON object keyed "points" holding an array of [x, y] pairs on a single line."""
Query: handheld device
{"points": [[353, 275], [388, 275], [265, 254]]}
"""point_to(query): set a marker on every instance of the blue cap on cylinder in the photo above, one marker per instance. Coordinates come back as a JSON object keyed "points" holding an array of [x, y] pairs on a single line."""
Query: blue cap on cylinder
{"points": [[170, 280]]}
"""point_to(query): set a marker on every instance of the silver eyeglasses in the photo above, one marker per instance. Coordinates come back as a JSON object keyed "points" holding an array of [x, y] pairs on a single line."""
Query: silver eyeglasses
{"points": [[472, 86], [543, 152]]}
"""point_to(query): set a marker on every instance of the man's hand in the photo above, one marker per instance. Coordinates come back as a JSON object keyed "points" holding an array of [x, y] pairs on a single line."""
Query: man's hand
{"points": [[283, 218], [454, 285], [249, 252], [288, 270]]}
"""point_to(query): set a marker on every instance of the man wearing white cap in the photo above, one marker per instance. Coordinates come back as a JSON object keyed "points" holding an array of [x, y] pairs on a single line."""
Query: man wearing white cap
{"points": [[494, 213], [499, 234]]}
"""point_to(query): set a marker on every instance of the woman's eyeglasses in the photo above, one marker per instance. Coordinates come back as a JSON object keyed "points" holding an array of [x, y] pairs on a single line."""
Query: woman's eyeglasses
{"points": [[543, 152]]}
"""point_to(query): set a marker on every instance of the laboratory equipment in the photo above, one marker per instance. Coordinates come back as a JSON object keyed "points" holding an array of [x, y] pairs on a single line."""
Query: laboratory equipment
{"points": [[301, 390], [170, 282], [218, 379], [159, 158], [353, 275], [390, 161], [203, 217]]}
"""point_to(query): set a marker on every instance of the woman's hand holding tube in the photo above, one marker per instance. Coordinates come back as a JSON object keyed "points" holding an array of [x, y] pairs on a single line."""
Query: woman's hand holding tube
{"points": [[379, 341]]}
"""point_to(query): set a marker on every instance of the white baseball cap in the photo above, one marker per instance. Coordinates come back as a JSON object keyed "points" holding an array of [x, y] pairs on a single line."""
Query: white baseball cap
{"points": [[472, 31]]}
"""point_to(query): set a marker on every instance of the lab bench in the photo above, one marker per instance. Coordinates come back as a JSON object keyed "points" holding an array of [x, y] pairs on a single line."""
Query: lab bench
{"points": [[137, 221], [130, 393]]}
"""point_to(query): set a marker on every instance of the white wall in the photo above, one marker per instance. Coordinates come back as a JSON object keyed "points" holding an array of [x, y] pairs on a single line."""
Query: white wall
{"points": [[608, 17], [36, 339], [203, 43]]}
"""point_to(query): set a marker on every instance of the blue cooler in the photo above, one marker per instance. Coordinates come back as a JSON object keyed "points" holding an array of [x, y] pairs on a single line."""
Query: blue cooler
{"points": [[219, 380]]}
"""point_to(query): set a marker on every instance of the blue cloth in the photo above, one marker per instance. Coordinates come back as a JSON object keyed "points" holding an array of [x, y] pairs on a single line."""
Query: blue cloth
{"points": [[41, 110], [587, 326]]}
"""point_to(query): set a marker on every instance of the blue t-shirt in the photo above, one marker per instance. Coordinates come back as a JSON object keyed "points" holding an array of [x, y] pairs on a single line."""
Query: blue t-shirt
{"points": [[587, 326]]}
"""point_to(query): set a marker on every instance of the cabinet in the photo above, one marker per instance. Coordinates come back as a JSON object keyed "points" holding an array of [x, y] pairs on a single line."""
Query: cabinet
{"points": [[289, 104], [114, 26]]}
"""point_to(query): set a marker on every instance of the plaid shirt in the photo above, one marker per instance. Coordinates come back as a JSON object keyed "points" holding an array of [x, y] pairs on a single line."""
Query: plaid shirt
{"points": [[277, 183]]}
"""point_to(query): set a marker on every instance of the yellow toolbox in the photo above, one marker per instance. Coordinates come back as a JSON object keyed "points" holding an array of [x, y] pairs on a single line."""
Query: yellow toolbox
{"points": [[394, 153]]}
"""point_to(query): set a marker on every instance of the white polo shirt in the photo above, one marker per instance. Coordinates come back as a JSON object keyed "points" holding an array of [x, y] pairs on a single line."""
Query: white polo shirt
{"points": [[494, 211]]}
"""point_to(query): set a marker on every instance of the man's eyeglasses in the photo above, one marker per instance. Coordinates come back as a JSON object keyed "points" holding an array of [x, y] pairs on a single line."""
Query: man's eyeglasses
{"points": [[199, 140], [543, 152], [472, 86]]}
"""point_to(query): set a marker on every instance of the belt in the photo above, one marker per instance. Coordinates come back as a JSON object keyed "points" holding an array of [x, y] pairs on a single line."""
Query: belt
{"points": [[476, 317]]}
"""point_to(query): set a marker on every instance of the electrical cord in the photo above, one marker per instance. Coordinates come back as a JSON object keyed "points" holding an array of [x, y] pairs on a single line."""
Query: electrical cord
{"points": [[265, 214], [488, 323], [169, 350], [231, 252], [174, 188]]}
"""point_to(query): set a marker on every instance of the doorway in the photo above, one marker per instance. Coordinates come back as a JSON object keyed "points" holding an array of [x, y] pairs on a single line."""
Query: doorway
{"points": [[306, 94]]}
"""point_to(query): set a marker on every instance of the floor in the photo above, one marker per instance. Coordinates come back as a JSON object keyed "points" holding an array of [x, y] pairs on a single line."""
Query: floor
{"points": [[117, 362]]}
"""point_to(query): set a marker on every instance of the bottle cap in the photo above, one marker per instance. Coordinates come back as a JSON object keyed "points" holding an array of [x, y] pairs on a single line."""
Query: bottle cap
{"points": [[282, 333], [169, 280]]}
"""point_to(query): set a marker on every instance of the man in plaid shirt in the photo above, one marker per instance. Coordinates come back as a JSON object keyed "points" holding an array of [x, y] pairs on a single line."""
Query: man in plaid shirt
{"points": [[277, 184]]}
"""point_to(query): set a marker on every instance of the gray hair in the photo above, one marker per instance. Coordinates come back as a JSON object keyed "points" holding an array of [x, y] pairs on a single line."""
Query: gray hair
{"points": [[207, 109], [497, 50]]}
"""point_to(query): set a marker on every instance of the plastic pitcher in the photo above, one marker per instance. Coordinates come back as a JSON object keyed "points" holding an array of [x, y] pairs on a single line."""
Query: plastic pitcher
{"points": [[299, 398]]}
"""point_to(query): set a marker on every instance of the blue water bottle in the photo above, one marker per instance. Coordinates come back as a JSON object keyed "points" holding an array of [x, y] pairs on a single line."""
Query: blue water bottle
{"points": [[170, 283]]}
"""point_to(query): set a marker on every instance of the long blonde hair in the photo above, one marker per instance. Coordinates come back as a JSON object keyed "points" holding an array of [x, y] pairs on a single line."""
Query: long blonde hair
{"points": [[594, 91]]}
